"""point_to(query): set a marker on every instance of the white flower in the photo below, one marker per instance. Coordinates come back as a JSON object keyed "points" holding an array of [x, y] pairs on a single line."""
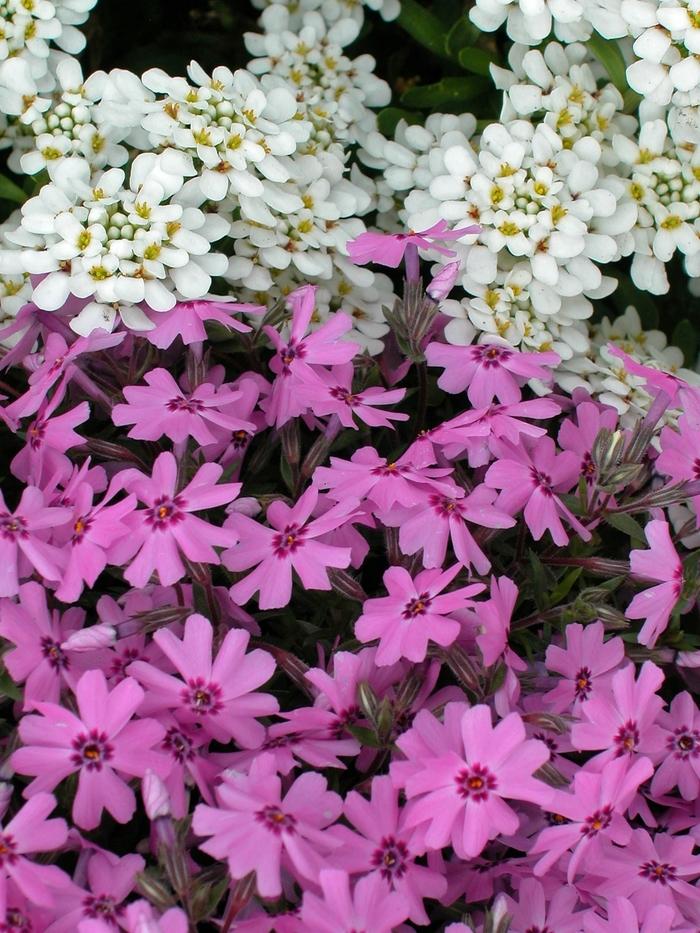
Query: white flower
{"points": [[531, 21]]}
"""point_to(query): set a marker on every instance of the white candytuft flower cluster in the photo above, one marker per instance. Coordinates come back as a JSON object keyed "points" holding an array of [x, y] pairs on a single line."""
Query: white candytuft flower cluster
{"points": [[333, 10]]}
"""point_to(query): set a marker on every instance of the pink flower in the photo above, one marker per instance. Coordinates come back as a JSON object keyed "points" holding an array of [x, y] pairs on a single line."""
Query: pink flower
{"points": [[680, 453], [28, 831], [652, 873], [656, 379], [38, 659], [109, 881], [99, 744], [530, 476], [186, 748], [489, 371], [368, 907], [141, 918], [163, 408], [457, 794], [186, 320], [595, 810], [337, 397], [622, 918], [490, 620], [413, 614], [258, 829], [580, 437], [385, 483], [48, 439], [289, 544], [681, 765], [92, 531], [384, 847], [166, 527], [443, 281], [623, 722], [535, 913], [586, 666], [661, 562], [217, 695], [22, 540], [444, 518], [388, 249]]}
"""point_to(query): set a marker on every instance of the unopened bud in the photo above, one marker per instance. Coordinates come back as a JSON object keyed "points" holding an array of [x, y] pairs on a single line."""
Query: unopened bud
{"points": [[6, 791], [466, 669], [549, 721], [550, 775], [607, 450], [156, 799], [369, 703], [346, 585], [154, 890], [443, 282], [88, 639], [291, 446]]}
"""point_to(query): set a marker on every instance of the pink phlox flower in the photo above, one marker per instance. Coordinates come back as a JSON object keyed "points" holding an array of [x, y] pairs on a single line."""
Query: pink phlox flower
{"points": [[100, 744], [185, 748], [385, 483], [414, 613], [87, 538], [337, 691], [161, 407], [381, 845], [38, 659], [215, 694], [129, 649], [661, 562], [298, 354], [187, 319], [534, 912], [255, 828], [141, 918], [56, 364], [529, 477], [110, 880], [681, 765], [249, 388], [652, 873], [289, 544], [387, 249], [48, 439], [622, 722], [586, 666], [593, 811], [580, 437], [473, 431], [489, 371], [342, 910], [166, 528], [680, 454], [336, 397], [27, 832], [623, 917], [458, 797], [23, 544], [488, 622], [346, 535], [429, 526], [657, 380]]}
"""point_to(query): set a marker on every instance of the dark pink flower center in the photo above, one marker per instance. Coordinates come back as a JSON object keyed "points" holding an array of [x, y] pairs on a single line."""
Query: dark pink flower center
{"points": [[8, 849], [696, 467], [283, 741], [276, 820], [16, 922], [536, 929], [54, 654], [293, 351], [542, 480], [92, 750], [391, 858], [164, 512], [588, 468], [346, 717], [178, 744], [627, 738], [417, 607], [189, 406], [102, 907], [80, 526], [202, 697], [684, 743], [36, 433], [443, 506], [288, 541], [658, 872], [489, 356], [12, 526], [583, 683], [240, 439], [387, 469], [548, 741], [123, 660], [597, 821], [343, 395], [475, 782]]}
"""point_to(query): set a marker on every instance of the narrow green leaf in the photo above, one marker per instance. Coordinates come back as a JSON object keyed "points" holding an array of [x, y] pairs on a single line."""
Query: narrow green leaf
{"points": [[448, 92], [422, 26], [608, 53], [685, 336], [563, 587], [462, 34], [626, 524], [476, 60], [9, 191], [388, 119]]}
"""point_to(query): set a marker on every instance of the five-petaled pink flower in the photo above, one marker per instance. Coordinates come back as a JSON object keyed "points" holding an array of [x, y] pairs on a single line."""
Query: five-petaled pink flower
{"points": [[23, 545], [387, 249], [367, 907], [586, 665], [661, 562]]}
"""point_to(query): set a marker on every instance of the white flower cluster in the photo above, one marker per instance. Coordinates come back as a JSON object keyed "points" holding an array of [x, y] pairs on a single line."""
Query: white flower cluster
{"points": [[29, 29], [333, 10]]}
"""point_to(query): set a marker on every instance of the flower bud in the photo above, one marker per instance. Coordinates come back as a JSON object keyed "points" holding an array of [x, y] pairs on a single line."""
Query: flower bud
{"points": [[88, 639], [156, 799]]}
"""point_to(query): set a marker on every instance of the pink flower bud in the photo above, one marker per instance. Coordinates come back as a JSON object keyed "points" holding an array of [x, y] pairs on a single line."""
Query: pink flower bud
{"points": [[87, 639], [156, 799], [443, 282]]}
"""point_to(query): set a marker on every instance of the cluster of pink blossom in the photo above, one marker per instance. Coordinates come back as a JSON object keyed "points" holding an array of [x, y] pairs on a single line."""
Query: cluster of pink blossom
{"points": [[281, 655]]}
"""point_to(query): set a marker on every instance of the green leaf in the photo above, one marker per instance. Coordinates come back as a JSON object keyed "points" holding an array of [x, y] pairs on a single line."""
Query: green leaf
{"points": [[476, 60], [9, 191], [8, 688], [388, 119], [563, 587], [608, 53], [626, 524], [422, 26], [364, 736], [448, 92], [462, 34], [541, 581], [685, 336]]}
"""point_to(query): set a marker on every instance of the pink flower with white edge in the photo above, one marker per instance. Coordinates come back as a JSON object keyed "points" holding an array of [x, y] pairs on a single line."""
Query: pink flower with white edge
{"points": [[457, 788], [661, 562], [414, 613]]}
